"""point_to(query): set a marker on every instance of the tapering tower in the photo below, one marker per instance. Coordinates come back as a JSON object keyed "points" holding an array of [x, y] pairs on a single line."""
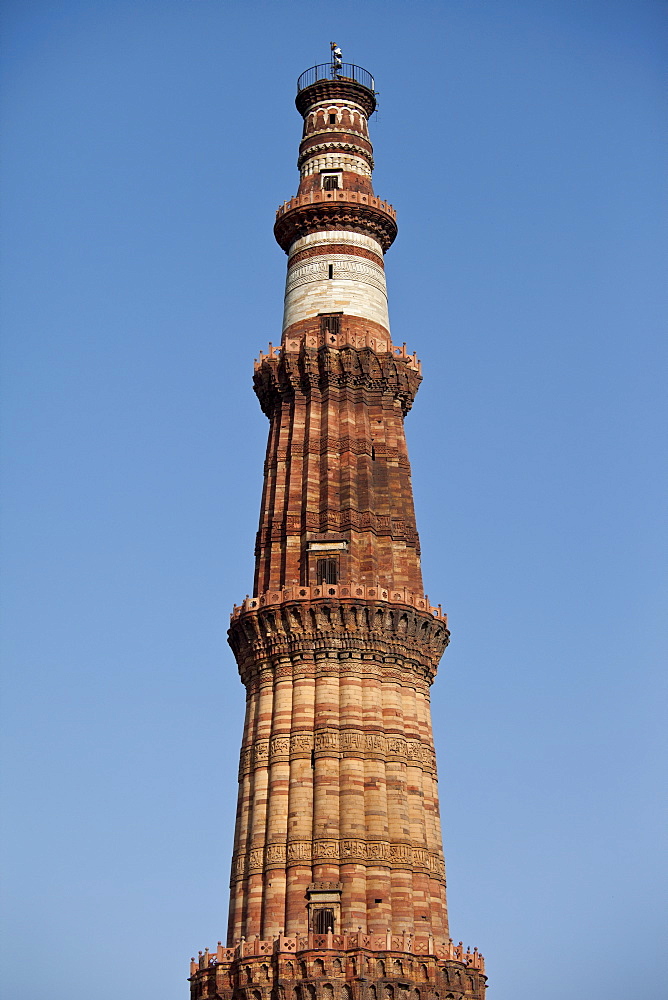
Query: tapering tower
{"points": [[338, 878]]}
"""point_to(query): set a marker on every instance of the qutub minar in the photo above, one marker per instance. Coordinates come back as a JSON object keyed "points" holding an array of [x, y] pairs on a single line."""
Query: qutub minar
{"points": [[338, 878]]}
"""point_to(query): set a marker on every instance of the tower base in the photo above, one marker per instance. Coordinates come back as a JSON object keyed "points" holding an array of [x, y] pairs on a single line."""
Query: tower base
{"points": [[340, 967]]}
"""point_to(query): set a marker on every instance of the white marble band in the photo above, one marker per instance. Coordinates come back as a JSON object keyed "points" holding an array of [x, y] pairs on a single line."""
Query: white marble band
{"points": [[356, 287], [335, 161], [345, 266]]}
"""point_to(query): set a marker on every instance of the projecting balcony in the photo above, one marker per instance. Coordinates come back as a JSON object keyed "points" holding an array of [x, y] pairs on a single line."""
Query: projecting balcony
{"points": [[314, 197], [331, 210], [352, 591]]}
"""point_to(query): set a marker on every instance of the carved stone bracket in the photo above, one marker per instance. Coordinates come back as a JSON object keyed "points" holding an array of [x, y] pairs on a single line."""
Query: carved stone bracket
{"points": [[351, 211], [346, 369], [335, 627]]}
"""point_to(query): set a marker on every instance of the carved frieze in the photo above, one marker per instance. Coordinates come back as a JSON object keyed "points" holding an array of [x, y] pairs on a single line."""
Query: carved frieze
{"points": [[340, 743], [339, 851], [344, 519]]}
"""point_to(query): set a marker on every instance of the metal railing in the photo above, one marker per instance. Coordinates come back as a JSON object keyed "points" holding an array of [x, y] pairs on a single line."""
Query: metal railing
{"points": [[327, 71]]}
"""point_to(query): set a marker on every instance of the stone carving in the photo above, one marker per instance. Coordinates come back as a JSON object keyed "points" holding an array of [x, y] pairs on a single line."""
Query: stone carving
{"points": [[260, 753], [325, 239], [331, 148], [415, 639], [416, 968], [334, 251], [301, 744], [280, 747], [335, 161], [346, 368], [350, 267], [364, 852], [298, 218]]}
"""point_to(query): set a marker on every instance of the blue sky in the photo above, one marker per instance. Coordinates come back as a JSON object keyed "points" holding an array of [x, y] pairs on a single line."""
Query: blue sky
{"points": [[146, 147]]}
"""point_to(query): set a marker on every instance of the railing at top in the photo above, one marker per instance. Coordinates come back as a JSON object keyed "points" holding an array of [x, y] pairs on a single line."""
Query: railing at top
{"points": [[345, 73], [408, 944]]}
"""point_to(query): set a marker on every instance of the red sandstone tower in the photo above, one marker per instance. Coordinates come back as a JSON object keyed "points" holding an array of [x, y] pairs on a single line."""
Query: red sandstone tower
{"points": [[338, 878]]}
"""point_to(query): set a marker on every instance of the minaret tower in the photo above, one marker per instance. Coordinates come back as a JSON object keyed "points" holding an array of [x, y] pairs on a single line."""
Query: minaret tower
{"points": [[338, 878]]}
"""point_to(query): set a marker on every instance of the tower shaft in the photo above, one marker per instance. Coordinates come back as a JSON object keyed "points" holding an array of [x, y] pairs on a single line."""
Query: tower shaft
{"points": [[337, 844]]}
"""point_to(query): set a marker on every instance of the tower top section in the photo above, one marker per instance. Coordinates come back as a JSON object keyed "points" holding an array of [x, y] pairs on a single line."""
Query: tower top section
{"points": [[335, 162], [336, 79]]}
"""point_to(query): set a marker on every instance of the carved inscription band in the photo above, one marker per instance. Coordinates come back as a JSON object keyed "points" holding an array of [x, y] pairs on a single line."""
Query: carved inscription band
{"points": [[362, 852], [342, 743], [347, 267]]}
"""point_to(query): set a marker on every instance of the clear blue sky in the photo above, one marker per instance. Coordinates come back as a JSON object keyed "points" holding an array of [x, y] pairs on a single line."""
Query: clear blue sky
{"points": [[146, 147]]}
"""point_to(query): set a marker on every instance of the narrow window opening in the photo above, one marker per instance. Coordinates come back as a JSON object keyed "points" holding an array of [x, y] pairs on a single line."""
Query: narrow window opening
{"points": [[330, 271], [332, 119], [373, 454], [313, 758], [323, 920], [326, 571], [330, 324]]}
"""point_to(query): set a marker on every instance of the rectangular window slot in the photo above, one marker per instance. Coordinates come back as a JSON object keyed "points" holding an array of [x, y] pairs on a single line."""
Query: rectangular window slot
{"points": [[323, 920], [326, 571], [330, 271], [330, 324], [331, 182]]}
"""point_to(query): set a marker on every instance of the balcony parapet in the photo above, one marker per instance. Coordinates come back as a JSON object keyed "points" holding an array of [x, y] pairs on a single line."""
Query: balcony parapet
{"points": [[338, 340], [347, 591], [315, 197], [406, 944], [331, 210]]}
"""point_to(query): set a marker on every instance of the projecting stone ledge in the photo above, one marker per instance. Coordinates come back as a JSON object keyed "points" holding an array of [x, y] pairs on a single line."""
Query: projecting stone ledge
{"points": [[326, 210], [307, 372], [302, 629]]}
